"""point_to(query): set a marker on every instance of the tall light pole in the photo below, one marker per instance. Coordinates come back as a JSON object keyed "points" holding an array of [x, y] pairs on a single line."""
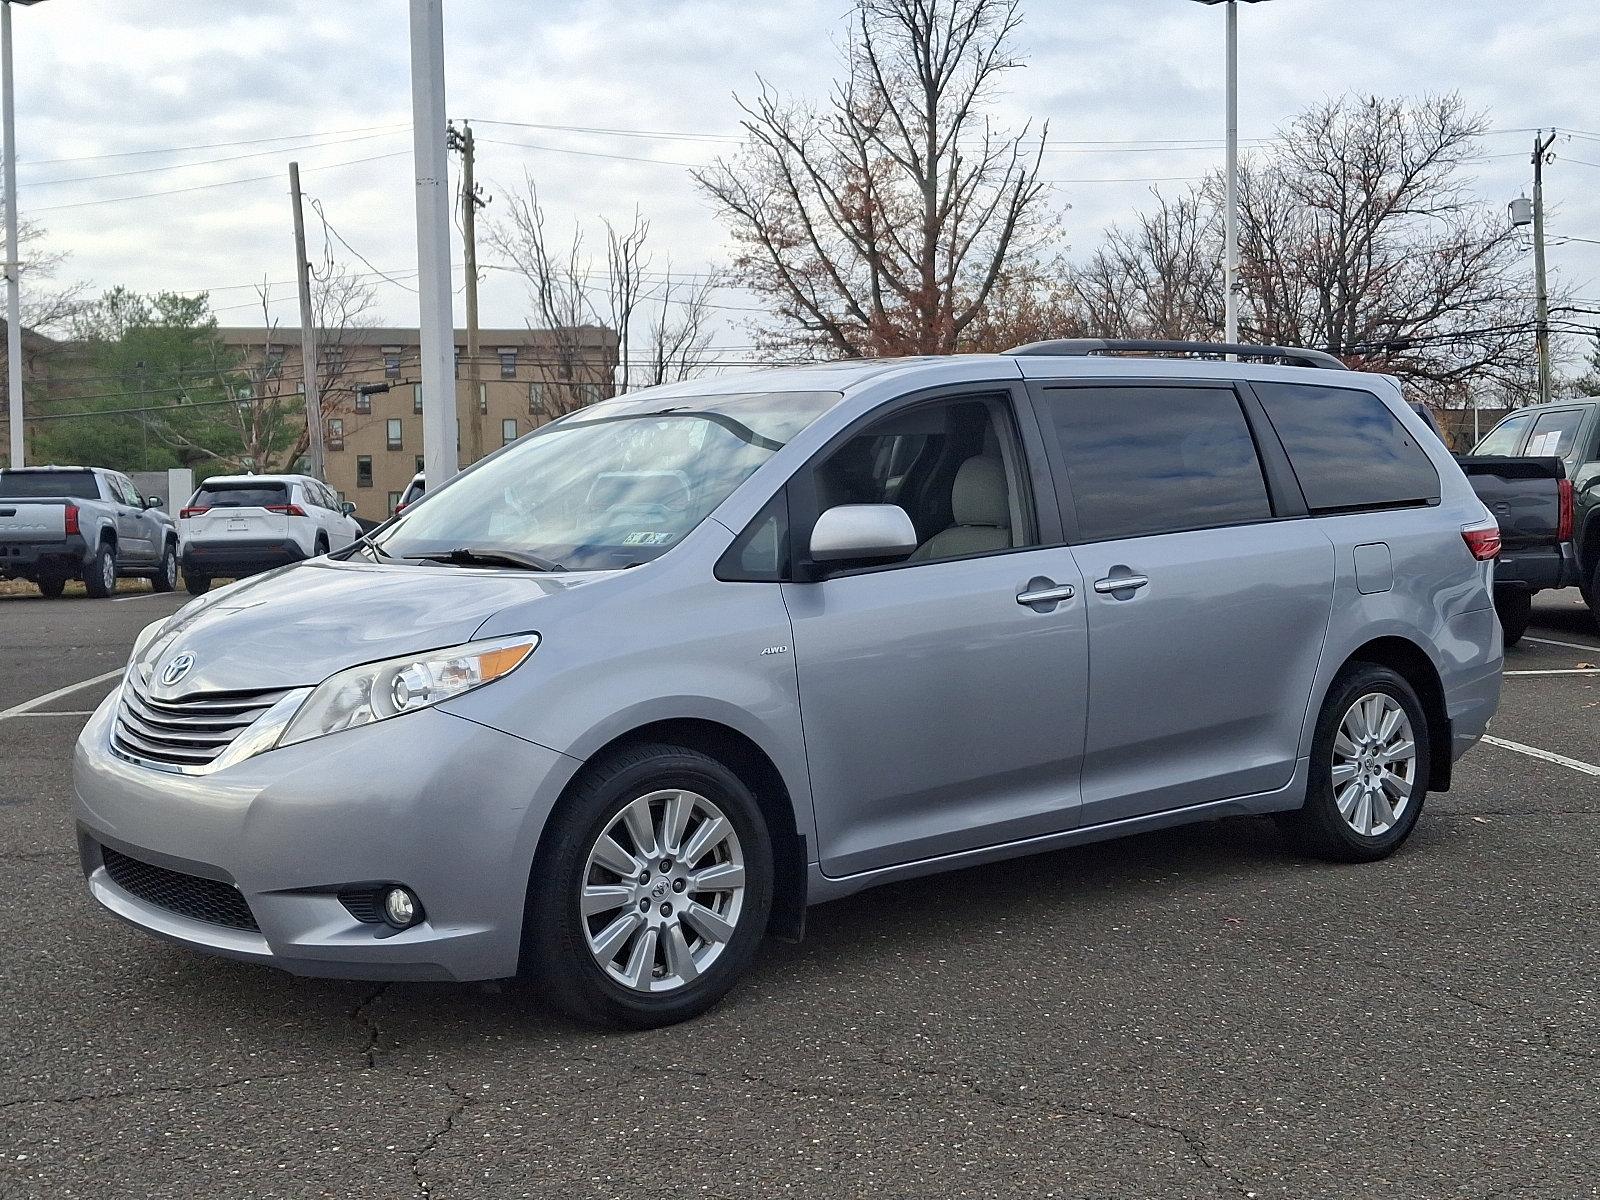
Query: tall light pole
{"points": [[13, 263], [1230, 219], [440, 458]]}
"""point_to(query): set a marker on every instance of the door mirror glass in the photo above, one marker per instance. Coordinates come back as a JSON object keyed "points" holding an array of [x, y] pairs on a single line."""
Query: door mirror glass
{"points": [[348, 509], [153, 502], [850, 532]]}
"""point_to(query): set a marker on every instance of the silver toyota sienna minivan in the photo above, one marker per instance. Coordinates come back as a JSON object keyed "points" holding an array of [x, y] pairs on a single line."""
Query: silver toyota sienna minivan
{"points": [[630, 694]]}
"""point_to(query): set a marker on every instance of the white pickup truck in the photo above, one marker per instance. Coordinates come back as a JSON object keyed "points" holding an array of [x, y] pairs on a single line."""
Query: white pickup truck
{"points": [[88, 523]]}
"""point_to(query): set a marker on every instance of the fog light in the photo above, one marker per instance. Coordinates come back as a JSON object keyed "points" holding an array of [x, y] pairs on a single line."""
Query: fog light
{"points": [[400, 908]]}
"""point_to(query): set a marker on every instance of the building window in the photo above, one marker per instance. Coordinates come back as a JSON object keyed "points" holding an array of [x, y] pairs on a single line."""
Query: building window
{"points": [[419, 464], [333, 361], [336, 433], [589, 393], [363, 470], [395, 440], [536, 398], [416, 399], [363, 401], [394, 502], [274, 362], [341, 496], [508, 362], [458, 362], [391, 362], [483, 399], [508, 431]]}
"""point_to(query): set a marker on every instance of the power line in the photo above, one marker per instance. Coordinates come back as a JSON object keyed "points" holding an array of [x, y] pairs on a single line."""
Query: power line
{"points": [[204, 162], [327, 227], [285, 137]]}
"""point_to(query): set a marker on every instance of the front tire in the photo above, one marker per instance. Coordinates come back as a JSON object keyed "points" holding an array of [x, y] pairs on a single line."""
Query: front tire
{"points": [[166, 577], [1369, 768], [651, 891], [51, 586], [100, 573], [1514, 607]]}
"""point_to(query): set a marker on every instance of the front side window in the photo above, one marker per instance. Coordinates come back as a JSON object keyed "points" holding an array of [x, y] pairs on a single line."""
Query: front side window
{"points": [[949, 465], [611, 487], [1555, 432], [1148, 460], [1347, 449], [1504, 438]]}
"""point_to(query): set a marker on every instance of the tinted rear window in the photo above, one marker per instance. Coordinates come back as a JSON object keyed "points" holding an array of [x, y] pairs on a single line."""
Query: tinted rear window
{"points": [[1144, 460], [1347, 449], [23, 485], [254, 495]]}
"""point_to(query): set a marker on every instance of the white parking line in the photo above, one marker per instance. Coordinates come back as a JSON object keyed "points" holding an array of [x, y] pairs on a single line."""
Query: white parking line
{"points": [[138, 596], [1548, 755], [59, 712], [1559, 671], [27, 706], [1568, 645]]}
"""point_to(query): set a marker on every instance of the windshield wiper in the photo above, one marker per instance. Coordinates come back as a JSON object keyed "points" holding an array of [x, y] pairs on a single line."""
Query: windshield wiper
{"points": [[468, 556]]}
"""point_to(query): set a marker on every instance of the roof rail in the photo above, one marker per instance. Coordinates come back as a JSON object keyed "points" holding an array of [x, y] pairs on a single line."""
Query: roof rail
{"points": [[1078, 347]]}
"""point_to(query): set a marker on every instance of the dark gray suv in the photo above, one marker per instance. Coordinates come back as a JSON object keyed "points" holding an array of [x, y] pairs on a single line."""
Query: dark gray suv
{"points": [[631, 693]]}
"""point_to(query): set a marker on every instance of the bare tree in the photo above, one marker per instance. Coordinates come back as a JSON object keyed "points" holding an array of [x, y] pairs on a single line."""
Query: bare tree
{"points": [[680, 328], [1357, 236], [626, 262], [47, 306], [884, 222]]}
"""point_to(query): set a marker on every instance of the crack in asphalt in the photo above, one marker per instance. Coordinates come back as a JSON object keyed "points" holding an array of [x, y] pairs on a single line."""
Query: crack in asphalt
{"points": [[175, 1089], [361, 1016], [462, 1101]]}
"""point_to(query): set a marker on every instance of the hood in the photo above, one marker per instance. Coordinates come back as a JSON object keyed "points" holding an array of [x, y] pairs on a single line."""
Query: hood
{"points": [[295, 627]]}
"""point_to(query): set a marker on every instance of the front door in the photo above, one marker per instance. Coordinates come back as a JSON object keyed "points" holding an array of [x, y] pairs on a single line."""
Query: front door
{"points": [[1206, 611], [942, 698]]}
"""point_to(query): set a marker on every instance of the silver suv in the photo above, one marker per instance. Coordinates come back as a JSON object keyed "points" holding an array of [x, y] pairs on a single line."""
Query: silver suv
{"points": [[628, 695]]}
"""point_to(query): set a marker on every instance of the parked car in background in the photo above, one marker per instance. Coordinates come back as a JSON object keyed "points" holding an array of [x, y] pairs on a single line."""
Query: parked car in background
{"points": [[1566, 436], [631, 693], [414, 492], [237, 525], [88, 523]]}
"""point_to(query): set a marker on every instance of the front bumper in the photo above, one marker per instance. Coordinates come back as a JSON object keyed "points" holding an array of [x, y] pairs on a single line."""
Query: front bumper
{"points": [[450, 808], [232, 559]]}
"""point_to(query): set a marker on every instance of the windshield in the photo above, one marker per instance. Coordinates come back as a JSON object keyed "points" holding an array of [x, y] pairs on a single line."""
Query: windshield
{"points": [[611, 486], [19, 485]]}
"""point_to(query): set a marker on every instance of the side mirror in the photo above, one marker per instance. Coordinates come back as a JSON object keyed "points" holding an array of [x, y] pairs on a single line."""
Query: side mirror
{"points": [[348, 509], [153, 502], [848, 532]]}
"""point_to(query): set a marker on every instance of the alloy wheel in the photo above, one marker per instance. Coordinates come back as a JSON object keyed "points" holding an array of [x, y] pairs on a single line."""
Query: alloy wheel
{"points": [[662, 891], [108, 572], [1374, 764]]}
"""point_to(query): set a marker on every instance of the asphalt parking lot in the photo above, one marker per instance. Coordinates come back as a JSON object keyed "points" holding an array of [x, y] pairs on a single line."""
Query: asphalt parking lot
{"points": [[1195, 1013]]}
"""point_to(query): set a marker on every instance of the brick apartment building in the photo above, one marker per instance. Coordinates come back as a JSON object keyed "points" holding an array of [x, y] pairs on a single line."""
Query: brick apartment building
{"points": [[373, 438]]}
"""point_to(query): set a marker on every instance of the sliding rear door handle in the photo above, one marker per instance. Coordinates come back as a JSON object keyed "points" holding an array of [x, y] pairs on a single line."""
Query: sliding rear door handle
{"points": [[1119, 583], [1047, 595]]}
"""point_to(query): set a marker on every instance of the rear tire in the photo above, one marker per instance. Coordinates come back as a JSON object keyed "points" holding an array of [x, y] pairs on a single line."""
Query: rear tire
{"points": [[1514, 606], [195, 583], [320, 547], [100, 573], [1375, 770], [679, 970], [166, 577], [51, 586]]}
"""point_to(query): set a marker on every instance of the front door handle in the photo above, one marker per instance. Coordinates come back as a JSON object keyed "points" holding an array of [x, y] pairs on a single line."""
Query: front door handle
{"points": [[1119, 583], [1042, 594]]}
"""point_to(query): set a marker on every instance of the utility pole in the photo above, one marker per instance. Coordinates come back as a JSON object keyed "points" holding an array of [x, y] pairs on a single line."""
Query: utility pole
{"points": [[1541, 144], [13, 265], [471, 202], [440, 456], [308, 331]]}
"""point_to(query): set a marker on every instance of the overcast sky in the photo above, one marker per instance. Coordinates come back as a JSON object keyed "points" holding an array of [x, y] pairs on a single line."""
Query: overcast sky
{"points": [[119, 99]]}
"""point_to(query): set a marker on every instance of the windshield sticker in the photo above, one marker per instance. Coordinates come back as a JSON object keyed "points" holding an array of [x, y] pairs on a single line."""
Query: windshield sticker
{"points": [[646, 538]]}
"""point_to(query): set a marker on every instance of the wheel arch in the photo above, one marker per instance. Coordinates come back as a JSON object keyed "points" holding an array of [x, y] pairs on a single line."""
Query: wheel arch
{"points": [[742, 755], [1410, 661]]}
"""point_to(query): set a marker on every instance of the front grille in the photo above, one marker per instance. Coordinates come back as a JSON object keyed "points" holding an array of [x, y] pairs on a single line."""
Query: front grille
{"points": [[190, 731], [208, 900]]}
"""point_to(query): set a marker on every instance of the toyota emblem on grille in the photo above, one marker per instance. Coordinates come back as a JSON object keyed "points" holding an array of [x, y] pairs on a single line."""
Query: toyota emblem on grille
{"points": [[177, 668]]}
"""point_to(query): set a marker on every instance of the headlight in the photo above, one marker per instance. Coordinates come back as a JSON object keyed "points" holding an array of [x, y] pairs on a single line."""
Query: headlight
{"points": [[380, 690]]}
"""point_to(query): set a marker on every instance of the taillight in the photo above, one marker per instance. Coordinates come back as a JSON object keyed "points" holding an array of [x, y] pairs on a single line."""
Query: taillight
{"points": [[195, 511], [399, 508], [288, 510], [1482, 540], [1564, 521], [72, 518]]}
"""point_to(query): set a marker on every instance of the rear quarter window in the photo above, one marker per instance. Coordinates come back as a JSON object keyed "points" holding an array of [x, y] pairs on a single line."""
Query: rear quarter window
{"points": [[1348, 450]]}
